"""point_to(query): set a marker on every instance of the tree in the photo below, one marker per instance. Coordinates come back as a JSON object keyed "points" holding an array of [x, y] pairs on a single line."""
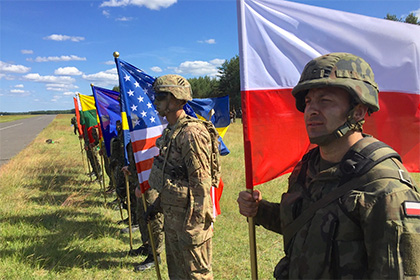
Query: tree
{"points": [[203, 87], [411, 18], [229, 82]]}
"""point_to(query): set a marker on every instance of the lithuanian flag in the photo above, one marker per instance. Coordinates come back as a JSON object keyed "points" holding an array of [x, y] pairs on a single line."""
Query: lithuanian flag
{"points": [[88, 114]]}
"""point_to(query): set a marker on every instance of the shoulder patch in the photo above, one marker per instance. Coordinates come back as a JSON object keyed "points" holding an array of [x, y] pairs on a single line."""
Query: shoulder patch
{"points": [[412, 208]]}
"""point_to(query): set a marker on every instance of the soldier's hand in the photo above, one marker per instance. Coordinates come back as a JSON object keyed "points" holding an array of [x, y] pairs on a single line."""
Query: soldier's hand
{"points": [[125, 170], [137, 192], [150, 213], [248, 203]]}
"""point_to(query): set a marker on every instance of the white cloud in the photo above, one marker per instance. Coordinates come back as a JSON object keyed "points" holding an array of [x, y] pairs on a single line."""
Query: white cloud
{"points": [[13, 68], [67, 71], [106, 13], [156, 69], [150, 4], [27, 51], [55, 98], [208, 41], [35, 77], [60, 87], [416, 13], [199, 68], [71, 93], [124, 19], [109, 62], [19, 86], [58, 58], [108, 77], [17, 91], [58, 37]]}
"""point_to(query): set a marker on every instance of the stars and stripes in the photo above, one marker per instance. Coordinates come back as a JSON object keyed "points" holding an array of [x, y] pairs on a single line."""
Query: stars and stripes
{"points": [[144, 123]]}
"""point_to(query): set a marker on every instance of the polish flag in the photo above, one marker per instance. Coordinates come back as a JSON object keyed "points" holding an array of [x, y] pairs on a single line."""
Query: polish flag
{"points": [[277, 39]]}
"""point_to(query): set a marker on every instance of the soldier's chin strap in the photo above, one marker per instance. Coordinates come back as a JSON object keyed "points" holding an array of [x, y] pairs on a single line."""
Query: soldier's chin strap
{"points": [[342, 130]]}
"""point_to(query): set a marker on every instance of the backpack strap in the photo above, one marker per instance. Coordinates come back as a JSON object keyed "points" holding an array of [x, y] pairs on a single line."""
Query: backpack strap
{"points": [[360, 163]]}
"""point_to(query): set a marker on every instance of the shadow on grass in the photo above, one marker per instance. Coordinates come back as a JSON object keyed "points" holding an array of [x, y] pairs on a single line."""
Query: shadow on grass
{"points": [[64, 239]]}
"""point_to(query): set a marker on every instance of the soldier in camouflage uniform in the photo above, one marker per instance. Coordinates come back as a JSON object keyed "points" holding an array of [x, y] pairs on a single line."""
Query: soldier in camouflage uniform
{"points": [[350, 210], [137, 211], [117, 161], [181, 173]]}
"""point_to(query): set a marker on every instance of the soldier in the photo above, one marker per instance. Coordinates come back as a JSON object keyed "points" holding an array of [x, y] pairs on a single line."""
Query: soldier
{"points": [[181, 173], [117, 160], [91, 138], [156, 222], [349, 211], [74, 124]]}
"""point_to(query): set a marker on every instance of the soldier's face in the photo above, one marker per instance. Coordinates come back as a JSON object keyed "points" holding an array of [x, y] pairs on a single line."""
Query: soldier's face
{"points": [[162, 102], [326, 110]]}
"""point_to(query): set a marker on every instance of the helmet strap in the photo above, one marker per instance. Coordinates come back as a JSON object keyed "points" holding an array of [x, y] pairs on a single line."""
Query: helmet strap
{"points": [[342, 130]]}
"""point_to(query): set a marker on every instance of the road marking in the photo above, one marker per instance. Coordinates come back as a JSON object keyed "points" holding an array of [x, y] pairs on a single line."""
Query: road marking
{"points": [[10, 126]]}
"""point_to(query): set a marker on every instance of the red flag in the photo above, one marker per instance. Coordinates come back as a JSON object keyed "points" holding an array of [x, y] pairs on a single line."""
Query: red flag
{"points": [[216, 194], [76, 109], [278, 38]]}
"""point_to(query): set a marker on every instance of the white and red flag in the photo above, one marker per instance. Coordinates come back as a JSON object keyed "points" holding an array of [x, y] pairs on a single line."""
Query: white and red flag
{"points": [[277, 39]]}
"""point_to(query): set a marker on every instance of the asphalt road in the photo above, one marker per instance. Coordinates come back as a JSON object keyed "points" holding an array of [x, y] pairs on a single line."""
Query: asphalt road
{"points": [[16, 135]]}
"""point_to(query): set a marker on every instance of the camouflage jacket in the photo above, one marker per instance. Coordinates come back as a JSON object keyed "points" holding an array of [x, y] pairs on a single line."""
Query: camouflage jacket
{"points": [[365, 234], [182, 176]]}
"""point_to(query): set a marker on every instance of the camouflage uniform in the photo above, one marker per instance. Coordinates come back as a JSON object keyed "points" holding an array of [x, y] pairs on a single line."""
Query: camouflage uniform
{"points": [[363, 235], [184, 190], [116, 163], [91, 153]]}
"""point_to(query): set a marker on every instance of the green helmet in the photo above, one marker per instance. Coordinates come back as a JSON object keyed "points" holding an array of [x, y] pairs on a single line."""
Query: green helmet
{"points": [[343, 70], [175, 84]]}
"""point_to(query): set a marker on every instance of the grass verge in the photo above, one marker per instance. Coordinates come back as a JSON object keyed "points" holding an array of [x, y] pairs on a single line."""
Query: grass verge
{"points": [[54, 225]]}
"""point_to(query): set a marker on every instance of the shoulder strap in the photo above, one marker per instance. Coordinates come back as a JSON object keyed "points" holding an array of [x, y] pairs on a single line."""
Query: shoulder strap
{"points": [[360, 163], [290, 231]]}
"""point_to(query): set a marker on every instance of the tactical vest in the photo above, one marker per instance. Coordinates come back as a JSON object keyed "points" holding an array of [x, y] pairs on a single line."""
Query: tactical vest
{"points": [[304, 214], [179, 171]]}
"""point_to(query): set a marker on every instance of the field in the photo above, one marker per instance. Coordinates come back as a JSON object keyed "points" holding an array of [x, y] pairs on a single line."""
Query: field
{"points": [[9, 118], [54, 223]]}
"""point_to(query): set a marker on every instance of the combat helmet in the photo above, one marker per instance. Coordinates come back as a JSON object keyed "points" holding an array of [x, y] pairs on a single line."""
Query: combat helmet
{"points": [[343, 70], [175, 84]]}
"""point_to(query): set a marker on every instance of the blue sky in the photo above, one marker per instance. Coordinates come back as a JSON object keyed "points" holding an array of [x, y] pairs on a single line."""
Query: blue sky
{"points": [[50, 50]]}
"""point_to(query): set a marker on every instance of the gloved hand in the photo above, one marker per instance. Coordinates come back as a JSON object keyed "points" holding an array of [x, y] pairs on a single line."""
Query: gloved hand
{"points": [[150, 213], [152, 210]]}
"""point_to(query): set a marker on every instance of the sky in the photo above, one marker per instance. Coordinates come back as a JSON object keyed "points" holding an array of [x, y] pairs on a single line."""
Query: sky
{"points": [[52, 49]]}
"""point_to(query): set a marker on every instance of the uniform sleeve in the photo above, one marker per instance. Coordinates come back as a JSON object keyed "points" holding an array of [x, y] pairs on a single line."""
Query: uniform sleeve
{"points": [[392, 239], [268, 216]]}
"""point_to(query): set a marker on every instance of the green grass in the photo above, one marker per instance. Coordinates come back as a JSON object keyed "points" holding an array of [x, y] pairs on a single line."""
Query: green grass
{"points": [[10, 118], [53, 223]]}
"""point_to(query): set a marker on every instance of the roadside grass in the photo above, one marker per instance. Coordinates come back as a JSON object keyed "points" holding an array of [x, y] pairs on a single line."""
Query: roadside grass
{"points": [[10, 118], [54, 223]]}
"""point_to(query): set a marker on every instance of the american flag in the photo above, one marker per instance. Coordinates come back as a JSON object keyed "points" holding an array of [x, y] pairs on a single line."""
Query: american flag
{"points": [[144, 123]]}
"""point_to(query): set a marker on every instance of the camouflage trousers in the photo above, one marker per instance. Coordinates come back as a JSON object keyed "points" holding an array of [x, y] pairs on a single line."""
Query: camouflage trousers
{"points": [[94, 162], [156, 224], [187, 261]]}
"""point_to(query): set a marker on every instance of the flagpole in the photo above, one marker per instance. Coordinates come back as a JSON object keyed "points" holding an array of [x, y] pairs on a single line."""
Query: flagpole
{"points": [[81, 152], [103, 176], [152, 241], [252, 245], [127, 188]]}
